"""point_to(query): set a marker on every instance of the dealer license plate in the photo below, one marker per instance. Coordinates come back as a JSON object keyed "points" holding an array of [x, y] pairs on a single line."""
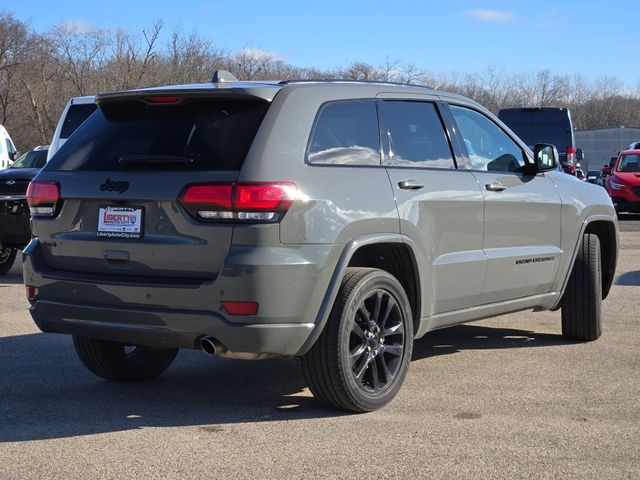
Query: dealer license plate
{"points": [[120, 222]]}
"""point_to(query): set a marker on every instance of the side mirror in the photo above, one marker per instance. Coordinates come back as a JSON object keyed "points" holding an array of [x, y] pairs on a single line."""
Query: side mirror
{"points": [[579, 155], [545, 157], [606, 170], [14, 155]]}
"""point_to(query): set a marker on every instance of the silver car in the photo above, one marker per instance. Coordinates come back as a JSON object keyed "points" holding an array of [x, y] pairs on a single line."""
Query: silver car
{"points": [[334, 221]]}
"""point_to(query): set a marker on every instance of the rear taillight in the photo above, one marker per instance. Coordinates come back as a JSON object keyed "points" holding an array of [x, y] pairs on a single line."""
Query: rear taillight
{"points": [[244, 202], [571, 155], [43, 198]]}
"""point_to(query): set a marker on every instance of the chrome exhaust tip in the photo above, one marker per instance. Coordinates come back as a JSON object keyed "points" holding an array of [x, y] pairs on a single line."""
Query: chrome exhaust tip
{"points": [[210, 346]]}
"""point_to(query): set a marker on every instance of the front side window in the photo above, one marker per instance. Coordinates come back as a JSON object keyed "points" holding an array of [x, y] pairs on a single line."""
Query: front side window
{"points": [[489, 147], [346, 133], [415, 135]]}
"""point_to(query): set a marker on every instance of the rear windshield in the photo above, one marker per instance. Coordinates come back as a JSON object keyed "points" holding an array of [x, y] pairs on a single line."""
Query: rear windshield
{"points": [[540, 127], [211, 135], [75, 116]]}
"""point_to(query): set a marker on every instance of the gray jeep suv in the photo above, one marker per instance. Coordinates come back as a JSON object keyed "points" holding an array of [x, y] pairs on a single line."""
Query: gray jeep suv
{"points": [[332, 221]]}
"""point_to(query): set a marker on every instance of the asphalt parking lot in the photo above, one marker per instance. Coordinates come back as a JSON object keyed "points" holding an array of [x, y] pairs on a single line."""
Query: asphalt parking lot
{"points": [[502, 398]]}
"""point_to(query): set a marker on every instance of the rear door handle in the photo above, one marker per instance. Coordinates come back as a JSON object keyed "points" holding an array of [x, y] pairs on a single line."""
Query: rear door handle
{"points": [[495, 187], [410, 185]]}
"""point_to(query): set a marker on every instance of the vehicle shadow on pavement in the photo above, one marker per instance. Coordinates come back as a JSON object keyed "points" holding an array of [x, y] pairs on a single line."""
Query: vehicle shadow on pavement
{"points": [[14, 277], [47, 393], [629, 279], [475, 337]]}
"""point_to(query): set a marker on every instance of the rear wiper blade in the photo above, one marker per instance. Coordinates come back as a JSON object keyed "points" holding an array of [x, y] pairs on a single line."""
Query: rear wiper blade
{"points": [[126, 160]]}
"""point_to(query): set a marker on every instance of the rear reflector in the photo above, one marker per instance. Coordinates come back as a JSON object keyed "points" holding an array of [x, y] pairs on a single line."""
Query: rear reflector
{"points": [[240, 308], [32, 292], [43, 198]]}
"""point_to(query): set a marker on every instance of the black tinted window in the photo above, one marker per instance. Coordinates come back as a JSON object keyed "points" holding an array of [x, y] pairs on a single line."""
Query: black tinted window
{"points": [[346, 132], [75, 116], [208, 135], [415, 135], [540, 126]]}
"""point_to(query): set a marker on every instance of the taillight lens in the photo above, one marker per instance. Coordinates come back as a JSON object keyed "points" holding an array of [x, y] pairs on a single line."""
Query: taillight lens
{"points": [[43, 198], [250, 202], [571, 155]]}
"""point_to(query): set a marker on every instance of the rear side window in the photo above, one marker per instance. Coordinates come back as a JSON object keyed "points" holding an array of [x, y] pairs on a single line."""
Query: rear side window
{"points": [[346, 133], [211, 135], [415, 135], [75, 116]]}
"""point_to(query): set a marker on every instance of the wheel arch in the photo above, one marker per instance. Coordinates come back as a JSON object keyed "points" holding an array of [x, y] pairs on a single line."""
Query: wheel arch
{"points": [[394, 253], [606, 229]]}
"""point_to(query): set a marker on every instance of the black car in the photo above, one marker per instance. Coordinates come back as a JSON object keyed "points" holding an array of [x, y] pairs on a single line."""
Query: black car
{"points": [[14, 211], [593, 176], [545, 125]]}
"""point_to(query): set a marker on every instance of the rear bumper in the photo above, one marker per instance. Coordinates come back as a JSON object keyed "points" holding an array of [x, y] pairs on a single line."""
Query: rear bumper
{"points": [[165, 329], [288, 284]]}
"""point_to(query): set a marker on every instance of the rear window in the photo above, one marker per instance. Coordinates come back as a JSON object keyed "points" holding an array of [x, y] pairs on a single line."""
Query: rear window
{"points": [[75, 116], [210, 135], [534, 126]]}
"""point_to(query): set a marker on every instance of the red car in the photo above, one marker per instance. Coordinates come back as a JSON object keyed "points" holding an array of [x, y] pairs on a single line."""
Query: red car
{"points": [[624, 183]]}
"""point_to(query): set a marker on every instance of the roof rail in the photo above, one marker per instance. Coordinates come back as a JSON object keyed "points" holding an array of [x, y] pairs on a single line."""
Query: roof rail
{"points": [[222, 76], [346, 80]]}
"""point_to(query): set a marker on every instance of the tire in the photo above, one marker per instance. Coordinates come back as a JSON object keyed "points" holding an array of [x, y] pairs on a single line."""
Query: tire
{"points": [[122, 363], [582, 300], [7, 259], [360, 360]]}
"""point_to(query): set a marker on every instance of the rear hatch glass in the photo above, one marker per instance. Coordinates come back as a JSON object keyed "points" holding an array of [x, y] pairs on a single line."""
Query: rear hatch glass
{"points": [[539, 126], [206, 135], [129, 163]]}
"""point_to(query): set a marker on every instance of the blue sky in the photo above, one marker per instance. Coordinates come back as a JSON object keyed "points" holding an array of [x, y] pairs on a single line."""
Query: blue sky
{"points": [[516, 36]]}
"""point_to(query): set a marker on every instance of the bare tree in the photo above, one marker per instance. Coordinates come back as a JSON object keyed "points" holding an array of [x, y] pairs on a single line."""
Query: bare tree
{"points": [[13, 52], [131, 57]]}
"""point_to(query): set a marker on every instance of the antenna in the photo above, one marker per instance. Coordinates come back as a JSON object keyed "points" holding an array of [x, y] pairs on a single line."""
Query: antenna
{"points": [[223, 76]]}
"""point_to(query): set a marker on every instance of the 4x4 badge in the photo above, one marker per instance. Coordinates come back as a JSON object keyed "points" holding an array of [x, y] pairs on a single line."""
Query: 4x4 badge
{"points": [[114, 186]]}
